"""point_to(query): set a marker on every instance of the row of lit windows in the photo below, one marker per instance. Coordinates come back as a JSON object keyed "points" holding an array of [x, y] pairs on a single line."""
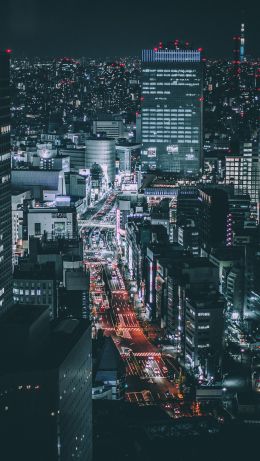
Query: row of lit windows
{"points": [[170, 129], [187, 123], [37, 292], [181, 82], [180, 139], [174, 124], [178, 134], [171, 71], [161, 128], [166, 110], [153, 85], [166, 118], [156, 92]]}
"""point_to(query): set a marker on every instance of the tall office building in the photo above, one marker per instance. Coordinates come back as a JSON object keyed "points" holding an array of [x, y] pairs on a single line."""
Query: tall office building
{"points": [[46, 381], [5, 187], [212, 220], [243, 171], [172, 107]]}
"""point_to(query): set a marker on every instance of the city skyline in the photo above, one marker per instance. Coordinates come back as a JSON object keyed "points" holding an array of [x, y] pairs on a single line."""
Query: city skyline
{"points": [[129, 231], [85, 29]]}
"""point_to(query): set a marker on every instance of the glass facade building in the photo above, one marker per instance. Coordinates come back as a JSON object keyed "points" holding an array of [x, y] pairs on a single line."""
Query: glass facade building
{"points": [[243, 171], [172, 107], [103, 152], [5, 187]]}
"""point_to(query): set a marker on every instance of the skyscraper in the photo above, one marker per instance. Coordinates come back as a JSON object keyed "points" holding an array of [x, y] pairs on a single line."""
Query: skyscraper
{"points": [[243, 171], [5, 187], [172, 107], [242, 43], [46, 378]]}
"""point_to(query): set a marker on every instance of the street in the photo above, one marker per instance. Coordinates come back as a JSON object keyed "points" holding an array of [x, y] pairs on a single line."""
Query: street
{"points": [[147, 369]]}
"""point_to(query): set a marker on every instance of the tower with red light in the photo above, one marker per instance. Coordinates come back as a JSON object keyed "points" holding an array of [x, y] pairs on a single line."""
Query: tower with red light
{"points": [[242, 43], [172, 109]]}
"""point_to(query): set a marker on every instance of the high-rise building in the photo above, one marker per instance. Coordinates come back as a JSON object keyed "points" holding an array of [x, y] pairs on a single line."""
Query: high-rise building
{"points": [[172, 107], [213, 217], [203, 333], [74, 295], [188, 276], [46, 378], [243, 171], [5, 187]]}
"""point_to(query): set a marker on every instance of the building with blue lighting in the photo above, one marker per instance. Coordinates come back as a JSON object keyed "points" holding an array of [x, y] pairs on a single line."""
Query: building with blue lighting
{"points": [[172, 106]]}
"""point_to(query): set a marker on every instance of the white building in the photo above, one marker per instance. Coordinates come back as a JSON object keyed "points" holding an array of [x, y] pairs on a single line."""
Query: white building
{"points": [[18, 222], [54, 221], [39, 181], [102, 151]]}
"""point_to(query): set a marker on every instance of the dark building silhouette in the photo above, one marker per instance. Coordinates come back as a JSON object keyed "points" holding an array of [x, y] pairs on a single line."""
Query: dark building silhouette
{"points": [[45, 386], [213, 217], [5, 186], [109, 372]]}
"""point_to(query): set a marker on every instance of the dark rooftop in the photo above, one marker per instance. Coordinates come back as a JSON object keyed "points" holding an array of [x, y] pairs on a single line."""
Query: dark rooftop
{"points": [[228, 253], [35, 271], [30, 342], [110, 358], [25, 315]]}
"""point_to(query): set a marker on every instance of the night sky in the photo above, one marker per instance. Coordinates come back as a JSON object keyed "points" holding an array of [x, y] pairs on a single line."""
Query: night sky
{"points": [[123, 27]]}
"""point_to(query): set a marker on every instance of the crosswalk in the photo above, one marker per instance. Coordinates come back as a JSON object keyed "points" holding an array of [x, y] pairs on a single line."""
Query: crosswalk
{"points": [[144, 397], [147, 354]]}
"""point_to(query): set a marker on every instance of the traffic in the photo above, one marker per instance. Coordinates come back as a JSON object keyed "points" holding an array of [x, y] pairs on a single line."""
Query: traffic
{"points": [[151, 376]]}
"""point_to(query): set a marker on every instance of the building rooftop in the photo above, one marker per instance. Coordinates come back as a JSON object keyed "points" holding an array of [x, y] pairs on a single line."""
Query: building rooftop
{"points": [[103, 117], [34, 271], [194, 262], [206, 299], [99, 138], [29, 342], [44, 208], [110, 358], [228, 253], [57, 246], [26, 178], [76, 279], [25, 315], [109, 361]]}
